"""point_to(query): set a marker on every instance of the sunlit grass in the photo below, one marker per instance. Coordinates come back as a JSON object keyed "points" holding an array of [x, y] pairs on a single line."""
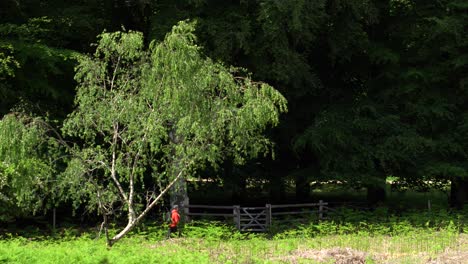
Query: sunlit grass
{"points": [[374, 237], [140, 249]]}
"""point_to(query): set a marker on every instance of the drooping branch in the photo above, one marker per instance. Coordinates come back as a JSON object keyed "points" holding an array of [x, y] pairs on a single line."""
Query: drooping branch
{"points": [[113, 168], [114, 73]]}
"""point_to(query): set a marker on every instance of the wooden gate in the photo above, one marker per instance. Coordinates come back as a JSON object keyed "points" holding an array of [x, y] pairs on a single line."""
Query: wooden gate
{"points": [[258, 218], [253, 218]]}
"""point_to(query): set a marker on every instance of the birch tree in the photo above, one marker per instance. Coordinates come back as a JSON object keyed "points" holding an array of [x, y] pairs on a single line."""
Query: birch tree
{"points": [[28, 182], [161, 111]]}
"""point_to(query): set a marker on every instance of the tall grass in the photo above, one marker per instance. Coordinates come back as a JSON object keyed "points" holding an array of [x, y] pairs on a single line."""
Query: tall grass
{"points": [[412, 238], [195, 250]]}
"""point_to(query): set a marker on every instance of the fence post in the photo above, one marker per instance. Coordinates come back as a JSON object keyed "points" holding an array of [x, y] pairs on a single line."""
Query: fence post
{"points": [[320, 209], [236, 215], [53, 219], [186, 210], [268, 215]]}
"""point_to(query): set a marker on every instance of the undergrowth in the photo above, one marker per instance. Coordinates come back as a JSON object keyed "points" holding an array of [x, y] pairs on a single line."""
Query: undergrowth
{"points": [[378, 233]]}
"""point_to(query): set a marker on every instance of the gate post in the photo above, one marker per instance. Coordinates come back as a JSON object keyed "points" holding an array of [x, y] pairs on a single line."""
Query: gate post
{"points": [[186, 210], [236, 215], [53, 219], [268, 215], [320, 209]]}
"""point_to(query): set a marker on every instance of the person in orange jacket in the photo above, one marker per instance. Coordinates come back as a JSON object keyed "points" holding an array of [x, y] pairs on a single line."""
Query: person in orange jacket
{"points": [[175, 218]]}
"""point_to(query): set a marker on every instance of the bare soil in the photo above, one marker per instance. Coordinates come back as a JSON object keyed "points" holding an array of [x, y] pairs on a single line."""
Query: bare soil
{"points": [[455, 255], [334, 255]]}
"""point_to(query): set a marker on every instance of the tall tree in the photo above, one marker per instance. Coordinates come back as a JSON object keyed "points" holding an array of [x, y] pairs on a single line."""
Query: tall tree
{"points": [[169, 109]]}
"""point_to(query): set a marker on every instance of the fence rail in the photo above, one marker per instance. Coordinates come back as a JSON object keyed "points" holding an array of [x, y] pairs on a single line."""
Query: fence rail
{"points": [[208, 206], [257, 218]]}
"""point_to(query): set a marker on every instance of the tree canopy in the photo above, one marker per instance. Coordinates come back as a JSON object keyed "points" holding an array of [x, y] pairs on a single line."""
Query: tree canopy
{"points": [[375, 89], [138, 110]]}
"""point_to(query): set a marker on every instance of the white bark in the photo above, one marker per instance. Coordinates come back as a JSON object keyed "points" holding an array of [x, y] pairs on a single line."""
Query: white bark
{"points": [[133, 222], [113, 169]]}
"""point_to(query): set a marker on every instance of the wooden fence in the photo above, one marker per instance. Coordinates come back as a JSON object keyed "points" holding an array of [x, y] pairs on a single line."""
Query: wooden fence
{"points": [[257, 218]]}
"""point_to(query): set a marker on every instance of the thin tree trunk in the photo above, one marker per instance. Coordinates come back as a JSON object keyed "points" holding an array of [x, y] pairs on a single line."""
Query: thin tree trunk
{"points": [[458, 193], [135, 221], [113, 169], [231, 182], [178, 192], [302, 188], [376, 194], [131, 211], [106, 230]]}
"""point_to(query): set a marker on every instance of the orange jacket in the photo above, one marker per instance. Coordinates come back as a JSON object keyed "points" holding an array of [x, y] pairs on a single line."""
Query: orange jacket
{"points": [[175, 217]]}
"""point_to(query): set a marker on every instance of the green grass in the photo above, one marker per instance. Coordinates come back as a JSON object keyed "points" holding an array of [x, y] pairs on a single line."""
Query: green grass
{"points": [[375, 236], [138, 249]]}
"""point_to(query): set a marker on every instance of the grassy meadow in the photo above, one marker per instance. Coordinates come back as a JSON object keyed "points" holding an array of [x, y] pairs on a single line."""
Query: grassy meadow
{"points": [[355, 237], [421, 248]]}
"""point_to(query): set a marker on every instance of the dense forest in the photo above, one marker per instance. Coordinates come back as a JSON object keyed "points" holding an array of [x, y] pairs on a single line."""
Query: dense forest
{"points": [[351, 91]]}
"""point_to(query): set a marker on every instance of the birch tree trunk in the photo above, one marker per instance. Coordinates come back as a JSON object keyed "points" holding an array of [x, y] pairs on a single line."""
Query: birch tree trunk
{"points": [[178, 192], [132, 222]]}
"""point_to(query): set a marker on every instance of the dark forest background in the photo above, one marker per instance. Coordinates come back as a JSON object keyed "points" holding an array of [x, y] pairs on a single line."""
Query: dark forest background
{"points": [[375, 88]]}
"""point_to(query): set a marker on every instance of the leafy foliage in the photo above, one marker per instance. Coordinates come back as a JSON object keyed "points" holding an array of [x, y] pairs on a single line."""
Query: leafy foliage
{"points": [[27, 169], [139, 110], [33, 71], [376, 88]]}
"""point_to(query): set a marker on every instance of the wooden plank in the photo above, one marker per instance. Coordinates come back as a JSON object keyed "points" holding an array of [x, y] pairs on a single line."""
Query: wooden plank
{"points": [[321, 204], [250, 212], [250, 215], [53, 219], [236, 213], [254, 216], [257, 228], [260, 230], [246, 213], [250, 219], [254, 222], [268, 214], [294, 213], [257, 225], [296, 205], [253, 225], [259, 218], [292, 221], [210, 206], [210, 214], [326, 208]]}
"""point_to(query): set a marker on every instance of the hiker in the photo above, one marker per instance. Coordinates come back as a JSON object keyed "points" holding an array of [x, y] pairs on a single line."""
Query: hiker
{"points": [[175, 217]]}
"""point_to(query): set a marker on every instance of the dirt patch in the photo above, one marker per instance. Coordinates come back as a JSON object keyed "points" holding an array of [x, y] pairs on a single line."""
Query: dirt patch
{"points": [[451, 258], [337, 255], [455, 255]]}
